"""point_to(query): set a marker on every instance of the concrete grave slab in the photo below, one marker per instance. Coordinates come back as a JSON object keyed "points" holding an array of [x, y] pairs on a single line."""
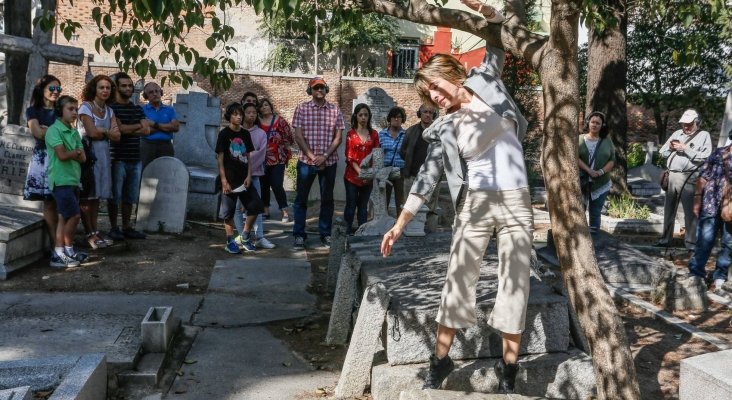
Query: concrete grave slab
{"points": [[566, 375], [19, 393], [23, 238], [414, 280], [70, 377], [163, 196], [618, 262], [253, 291], [41, 324], [245, 363], [707, 376], [16, 149]]}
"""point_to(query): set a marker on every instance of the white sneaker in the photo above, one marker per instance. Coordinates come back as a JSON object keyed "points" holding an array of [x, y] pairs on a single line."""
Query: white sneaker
{"points": [[285, 219], [718, 283], [264, 243]]}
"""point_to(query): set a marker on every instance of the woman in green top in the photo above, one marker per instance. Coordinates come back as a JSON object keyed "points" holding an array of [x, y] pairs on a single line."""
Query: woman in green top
{"points": [[596, 159]]}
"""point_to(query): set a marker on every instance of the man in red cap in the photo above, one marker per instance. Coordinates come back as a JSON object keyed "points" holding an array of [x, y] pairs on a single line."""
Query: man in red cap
{"points": [[318, 126]]}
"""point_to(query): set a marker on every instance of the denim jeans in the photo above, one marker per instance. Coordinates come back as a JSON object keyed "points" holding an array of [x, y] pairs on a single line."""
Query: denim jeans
{"points": [[306, 175], [239, 215], [356, 197], [274, 178], [707, 229], [595, 209], [126, 177]]}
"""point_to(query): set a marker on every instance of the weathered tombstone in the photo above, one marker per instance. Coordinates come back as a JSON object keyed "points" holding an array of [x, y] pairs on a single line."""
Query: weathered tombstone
{"points": [[163, 196], [643, 180], [199, 115], [379, 102], [381, 222], [23, 233]]}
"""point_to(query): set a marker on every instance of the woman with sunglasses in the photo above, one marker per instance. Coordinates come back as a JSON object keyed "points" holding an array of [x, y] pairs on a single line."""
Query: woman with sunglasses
{"points": [[477, 145], [40, 116]]}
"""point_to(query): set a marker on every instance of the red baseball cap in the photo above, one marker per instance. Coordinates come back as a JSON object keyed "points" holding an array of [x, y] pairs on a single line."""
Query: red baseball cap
{"points": [[316, 81]]}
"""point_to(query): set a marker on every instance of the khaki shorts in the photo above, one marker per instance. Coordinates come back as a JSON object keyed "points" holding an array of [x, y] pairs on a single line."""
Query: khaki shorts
{"points": [[509, 213]]}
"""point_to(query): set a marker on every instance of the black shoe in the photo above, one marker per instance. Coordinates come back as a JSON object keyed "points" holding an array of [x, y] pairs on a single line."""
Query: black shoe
{"points": [[439, 370], [506, 374], [133, 234], [116, 234]]}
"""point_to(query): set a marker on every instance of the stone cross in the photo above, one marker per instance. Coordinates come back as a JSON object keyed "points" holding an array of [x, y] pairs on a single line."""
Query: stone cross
{"points": [[200, 118], [380, 174], [650, 148], [41, 51]]}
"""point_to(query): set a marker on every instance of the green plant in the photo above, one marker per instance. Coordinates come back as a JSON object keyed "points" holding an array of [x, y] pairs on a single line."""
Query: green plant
{"points": [[659, 160], [636, 155], [291, 168], [624, 206], [282, 58]]}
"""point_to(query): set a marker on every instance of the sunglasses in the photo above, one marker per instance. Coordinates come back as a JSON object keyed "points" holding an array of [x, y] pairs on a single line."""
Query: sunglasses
{"points": [[55, 89], [318, 87]]}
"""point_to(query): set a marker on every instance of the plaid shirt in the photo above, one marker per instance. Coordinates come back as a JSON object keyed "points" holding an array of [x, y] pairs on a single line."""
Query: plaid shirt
{"points": [[713, 171], [318, 124], [391, 148]]}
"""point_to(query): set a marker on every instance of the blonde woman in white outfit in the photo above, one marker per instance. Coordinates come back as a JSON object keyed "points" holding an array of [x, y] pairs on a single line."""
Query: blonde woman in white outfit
{"points": [[478, 146]]}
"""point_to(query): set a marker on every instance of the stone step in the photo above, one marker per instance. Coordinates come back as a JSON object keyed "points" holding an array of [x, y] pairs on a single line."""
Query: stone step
{"points": [[70, 377], [431, 394], [707, 376], [17, 393], [415, 284], [566, 375], [148, 371]]}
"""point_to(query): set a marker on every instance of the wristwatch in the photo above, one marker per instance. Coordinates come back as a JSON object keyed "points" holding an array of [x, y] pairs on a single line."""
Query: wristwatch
{"points": [[326, 155]]}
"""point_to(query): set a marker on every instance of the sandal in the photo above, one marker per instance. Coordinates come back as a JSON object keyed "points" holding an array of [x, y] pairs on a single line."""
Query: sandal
{"points": [[95, 242]]}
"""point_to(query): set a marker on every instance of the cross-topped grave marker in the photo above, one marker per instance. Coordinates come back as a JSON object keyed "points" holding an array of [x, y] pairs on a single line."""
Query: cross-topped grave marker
{"points": [[382, 222], [41, 51]]}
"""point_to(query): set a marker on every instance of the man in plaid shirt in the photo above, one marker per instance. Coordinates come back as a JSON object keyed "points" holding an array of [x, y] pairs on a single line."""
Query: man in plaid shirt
{"points": [[318, 126]]}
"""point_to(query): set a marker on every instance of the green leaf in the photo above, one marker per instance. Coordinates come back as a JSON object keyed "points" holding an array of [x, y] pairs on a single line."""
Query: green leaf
{"points": [[142, 67], [153, 69], [146, 38], [211, 43], [108, 22], [97, 43], [188, 56], [162, 57], [107, 43], [258, 6]]}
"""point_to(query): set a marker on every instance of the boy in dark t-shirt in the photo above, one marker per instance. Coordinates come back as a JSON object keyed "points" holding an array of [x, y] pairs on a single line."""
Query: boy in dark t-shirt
{"points": [[232, 153]]}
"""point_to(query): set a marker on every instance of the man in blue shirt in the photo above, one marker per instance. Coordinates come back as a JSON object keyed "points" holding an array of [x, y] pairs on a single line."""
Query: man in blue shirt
{"points": [[164, 124]]}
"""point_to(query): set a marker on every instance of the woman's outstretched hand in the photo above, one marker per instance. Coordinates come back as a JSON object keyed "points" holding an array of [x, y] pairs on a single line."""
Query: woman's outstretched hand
{"points": [[389, 239]]}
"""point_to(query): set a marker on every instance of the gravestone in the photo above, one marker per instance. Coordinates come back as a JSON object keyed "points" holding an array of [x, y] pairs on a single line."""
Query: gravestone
{"points": [[23, 234], [382, 222], [163, 196], [379, 102], [199, 115], [643, 180]]}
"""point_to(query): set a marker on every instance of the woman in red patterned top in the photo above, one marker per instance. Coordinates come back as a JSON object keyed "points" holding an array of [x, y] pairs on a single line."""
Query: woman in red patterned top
{"points": [[360, 140], [279, 140]]}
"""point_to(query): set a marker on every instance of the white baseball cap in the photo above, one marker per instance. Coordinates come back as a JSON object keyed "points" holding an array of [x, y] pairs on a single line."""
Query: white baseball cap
{"points": [[689, 117]]}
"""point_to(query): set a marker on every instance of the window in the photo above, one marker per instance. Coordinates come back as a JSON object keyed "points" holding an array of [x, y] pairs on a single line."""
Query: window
{"points": [[404, 60]]}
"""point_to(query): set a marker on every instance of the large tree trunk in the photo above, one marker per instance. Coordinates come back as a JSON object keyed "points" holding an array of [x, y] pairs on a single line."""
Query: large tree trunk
{"points": [[17, 21], [611, 356], [607, 73]]}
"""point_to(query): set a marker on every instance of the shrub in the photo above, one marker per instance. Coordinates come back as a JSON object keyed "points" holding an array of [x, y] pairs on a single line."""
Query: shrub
{"points": [[636, 155], [624, 206]]}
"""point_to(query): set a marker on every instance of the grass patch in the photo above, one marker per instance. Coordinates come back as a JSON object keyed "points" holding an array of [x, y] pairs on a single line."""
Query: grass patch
{"points": [[624, 206]]}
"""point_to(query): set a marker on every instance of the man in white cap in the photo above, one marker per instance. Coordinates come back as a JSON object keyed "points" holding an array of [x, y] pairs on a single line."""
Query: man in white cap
{"points": [[318, 126], [685, 150]]}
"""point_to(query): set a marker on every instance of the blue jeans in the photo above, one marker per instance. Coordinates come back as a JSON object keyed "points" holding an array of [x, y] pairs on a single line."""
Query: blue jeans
{"points": [[126, 177], [306, 175], [239, 214], [356, 196], [706, 235], [595, 209]]}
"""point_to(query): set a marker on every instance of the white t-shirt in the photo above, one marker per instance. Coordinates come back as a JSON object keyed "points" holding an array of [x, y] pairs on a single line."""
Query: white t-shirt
{"points": [[490, 147]]}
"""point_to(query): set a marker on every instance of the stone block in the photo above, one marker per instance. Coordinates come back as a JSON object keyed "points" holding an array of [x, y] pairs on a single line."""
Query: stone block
{"points": [[163, 195], [69, 377], [87, 380], [23, 239], [565, 375], [203, 205], [203, 180], [157, 329], [343, 300], [19, 393], [416, 226], [356, 371], [432, 394], [416, 287], [708, 376], [653, 225], [338, 246], [148, 371]]}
